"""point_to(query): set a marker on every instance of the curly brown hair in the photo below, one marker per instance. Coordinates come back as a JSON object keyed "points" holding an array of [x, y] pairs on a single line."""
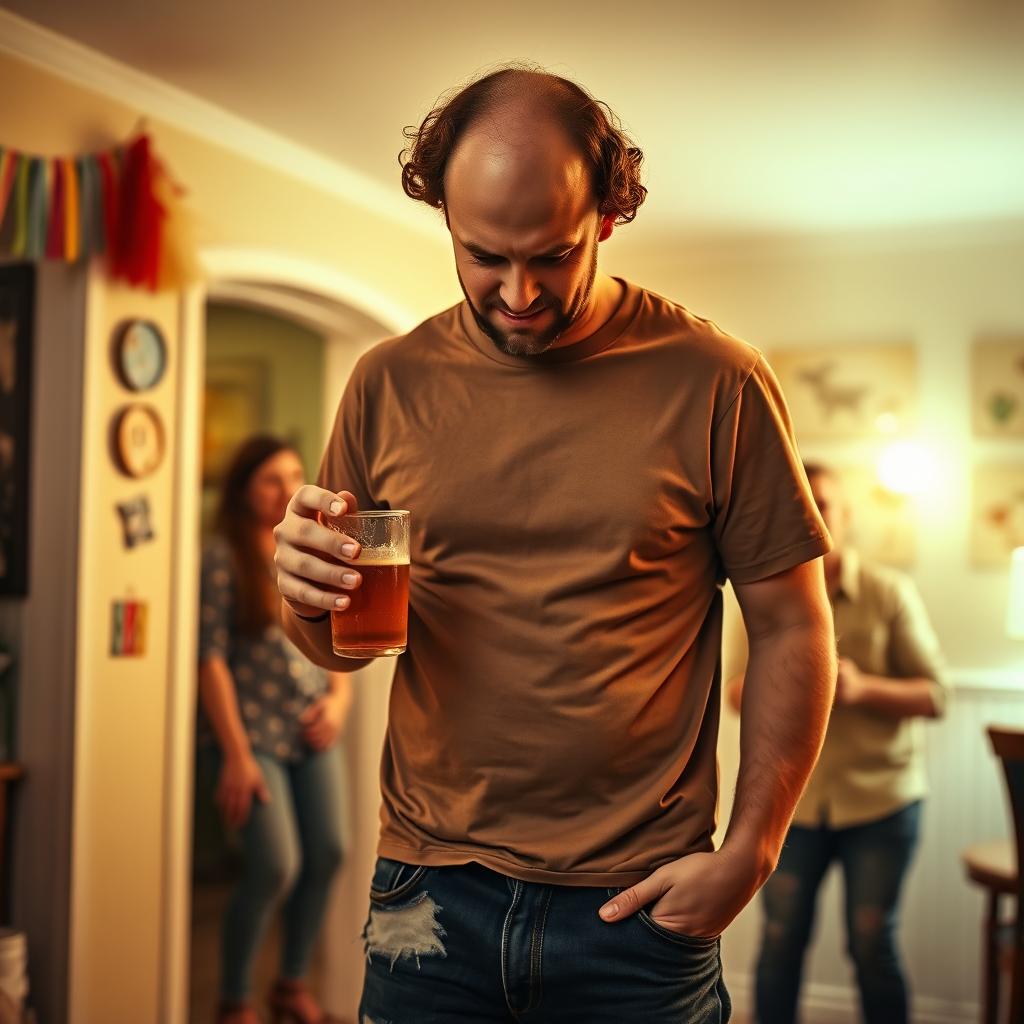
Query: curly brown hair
{"points": [[597, 132]]}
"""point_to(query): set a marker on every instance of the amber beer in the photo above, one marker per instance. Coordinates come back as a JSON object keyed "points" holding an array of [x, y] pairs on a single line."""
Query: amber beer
{"points": [[374, 624]]}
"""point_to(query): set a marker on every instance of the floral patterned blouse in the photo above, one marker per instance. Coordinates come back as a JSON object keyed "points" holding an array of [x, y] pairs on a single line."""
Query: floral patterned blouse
{"points": [[274, 681]]}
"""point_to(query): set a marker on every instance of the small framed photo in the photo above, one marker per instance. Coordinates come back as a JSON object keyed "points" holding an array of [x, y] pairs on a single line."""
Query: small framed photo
{"points": [[135, 521]]}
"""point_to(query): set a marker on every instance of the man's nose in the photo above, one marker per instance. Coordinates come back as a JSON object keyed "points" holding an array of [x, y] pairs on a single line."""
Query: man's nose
{"points": [[519, 291]]}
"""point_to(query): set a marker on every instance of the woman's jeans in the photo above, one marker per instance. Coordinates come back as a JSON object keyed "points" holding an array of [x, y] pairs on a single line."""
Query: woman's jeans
{"points": [[468, 944], [292, 849], [874, 858]]}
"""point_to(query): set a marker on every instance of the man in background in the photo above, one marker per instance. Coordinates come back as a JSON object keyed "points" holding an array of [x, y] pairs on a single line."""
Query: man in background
{"points": [[862, 805]]}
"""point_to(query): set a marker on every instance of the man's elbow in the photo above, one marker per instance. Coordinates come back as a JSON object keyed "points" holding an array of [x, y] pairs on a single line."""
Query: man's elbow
{"points": [[939, 700]]}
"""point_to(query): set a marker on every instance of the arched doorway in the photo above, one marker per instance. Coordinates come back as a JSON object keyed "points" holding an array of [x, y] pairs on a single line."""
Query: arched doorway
{"points": [[351, 317]]}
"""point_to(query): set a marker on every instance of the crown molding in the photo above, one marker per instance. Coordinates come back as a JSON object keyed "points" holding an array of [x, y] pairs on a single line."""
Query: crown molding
{"points": [[161, 101]]}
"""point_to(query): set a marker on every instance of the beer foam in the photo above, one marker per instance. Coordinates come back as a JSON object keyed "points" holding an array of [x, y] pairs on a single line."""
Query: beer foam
{"points": [[378, 558]]}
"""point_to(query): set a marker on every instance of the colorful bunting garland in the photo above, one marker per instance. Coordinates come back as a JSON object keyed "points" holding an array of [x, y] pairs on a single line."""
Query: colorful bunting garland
{"points": [[121, 202]]}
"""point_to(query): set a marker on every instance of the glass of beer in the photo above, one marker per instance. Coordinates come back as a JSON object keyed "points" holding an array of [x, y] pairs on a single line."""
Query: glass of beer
{"points": [[374, 624]]}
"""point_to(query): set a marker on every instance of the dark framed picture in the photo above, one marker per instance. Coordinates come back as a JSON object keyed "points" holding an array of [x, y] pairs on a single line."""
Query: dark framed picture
{"points": [[17, 293]]}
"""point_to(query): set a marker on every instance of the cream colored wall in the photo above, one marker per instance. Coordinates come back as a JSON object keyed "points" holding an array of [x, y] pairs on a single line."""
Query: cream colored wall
{"points": [[118, 846]]}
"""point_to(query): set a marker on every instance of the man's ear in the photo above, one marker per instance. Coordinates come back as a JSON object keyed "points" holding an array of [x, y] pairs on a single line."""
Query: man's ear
{"points": [[607, 226]]}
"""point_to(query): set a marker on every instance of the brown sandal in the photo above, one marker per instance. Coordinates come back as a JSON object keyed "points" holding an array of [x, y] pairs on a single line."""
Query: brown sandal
{"points": [[283, 1009], [237, 1013]]}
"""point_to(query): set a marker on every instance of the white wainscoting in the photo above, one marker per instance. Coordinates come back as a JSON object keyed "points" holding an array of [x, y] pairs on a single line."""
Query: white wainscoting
{"points": [[942, 911]]}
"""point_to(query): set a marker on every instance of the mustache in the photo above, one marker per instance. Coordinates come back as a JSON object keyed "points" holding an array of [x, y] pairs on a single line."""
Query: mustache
{"points": [[537, 308]]}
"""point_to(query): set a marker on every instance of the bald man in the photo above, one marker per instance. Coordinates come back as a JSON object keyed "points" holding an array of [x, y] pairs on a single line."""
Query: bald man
{"points": [[586, 463]]}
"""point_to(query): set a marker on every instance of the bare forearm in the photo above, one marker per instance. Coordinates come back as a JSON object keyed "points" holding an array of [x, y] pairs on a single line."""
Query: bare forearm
{"points": [[217, 694], [787, 695], [314, 640], [898, 698], [340, 684]]}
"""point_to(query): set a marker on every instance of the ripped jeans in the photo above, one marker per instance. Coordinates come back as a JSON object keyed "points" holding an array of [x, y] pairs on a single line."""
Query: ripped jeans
{"points": [[468, 944], [874, 858]]}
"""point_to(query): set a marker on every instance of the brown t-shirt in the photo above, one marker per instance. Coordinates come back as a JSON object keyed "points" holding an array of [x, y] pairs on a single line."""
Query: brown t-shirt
{"points": [[574, 516]]}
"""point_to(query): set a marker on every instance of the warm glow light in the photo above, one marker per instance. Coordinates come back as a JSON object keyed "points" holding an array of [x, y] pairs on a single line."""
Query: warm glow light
{"points": [[1015, 604], [887, 423], [907, 467]]}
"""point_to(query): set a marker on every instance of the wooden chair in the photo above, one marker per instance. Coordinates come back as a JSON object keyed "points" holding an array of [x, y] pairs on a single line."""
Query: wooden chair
{"points": [[1008, 745]]}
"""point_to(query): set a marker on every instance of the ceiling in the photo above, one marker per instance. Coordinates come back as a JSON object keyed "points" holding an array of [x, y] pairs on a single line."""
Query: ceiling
{"points": [[786, 117]]}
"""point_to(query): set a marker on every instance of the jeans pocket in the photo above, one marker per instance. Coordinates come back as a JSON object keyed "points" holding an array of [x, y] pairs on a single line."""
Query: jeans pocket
{"points": [[680, 938], [393, 879], [697, 942]]}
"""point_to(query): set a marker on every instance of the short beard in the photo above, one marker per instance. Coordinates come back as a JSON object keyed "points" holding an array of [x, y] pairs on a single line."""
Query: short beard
{"points": [[525, 345]]}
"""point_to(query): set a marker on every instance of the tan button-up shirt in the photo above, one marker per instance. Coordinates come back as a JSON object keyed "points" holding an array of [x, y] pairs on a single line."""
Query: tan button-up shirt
{"points": [[872, 764]]}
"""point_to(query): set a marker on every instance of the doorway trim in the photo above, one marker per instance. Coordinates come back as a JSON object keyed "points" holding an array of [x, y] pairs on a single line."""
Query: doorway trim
{"points": [[318, 288]]}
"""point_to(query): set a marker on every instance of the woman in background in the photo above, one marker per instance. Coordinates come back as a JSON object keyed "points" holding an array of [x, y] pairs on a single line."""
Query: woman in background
{"points": [[272, 722]]}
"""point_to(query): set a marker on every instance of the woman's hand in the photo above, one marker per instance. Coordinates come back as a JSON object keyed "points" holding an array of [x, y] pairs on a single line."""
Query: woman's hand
{"points": [[323, 721], [240, 780]]}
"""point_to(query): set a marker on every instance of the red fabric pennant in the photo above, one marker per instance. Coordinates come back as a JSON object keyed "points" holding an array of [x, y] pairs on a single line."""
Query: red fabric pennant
{"points": [[55, 233], [137, 253]]}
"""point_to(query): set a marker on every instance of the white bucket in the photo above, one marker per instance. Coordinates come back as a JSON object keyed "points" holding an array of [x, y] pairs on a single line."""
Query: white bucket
{"points": [[14, 966]]}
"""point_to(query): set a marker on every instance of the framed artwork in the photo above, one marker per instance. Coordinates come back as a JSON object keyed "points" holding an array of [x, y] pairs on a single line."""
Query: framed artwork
{"points": [[881, 521], [848, 392], [997, 513], [236, 406], [997, 387], [17, 291]]}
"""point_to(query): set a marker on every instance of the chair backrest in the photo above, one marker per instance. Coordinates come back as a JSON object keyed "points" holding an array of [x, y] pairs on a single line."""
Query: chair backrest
{"points": [[1008, 745]]}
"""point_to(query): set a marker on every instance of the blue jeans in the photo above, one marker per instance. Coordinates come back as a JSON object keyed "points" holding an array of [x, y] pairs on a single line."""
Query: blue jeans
{"points": [[874, 858], [292, 850], [468, 944]]}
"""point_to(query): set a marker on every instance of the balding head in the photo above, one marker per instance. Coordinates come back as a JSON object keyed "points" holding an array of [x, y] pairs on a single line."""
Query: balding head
{"points": [[517, 103], [517, 174]]}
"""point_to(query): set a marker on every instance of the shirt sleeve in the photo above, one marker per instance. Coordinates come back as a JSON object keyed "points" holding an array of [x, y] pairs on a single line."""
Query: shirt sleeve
{"points": [[765, 519], [914, 650], [216, 603]]}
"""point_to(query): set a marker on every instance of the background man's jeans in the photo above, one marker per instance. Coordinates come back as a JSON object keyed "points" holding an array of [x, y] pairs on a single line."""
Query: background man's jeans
{"points": [[874, 859], [468, 944]]}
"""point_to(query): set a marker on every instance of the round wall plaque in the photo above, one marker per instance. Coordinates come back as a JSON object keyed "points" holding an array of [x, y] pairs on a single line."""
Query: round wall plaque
{"points": [[139, 440], [140, 354]]}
